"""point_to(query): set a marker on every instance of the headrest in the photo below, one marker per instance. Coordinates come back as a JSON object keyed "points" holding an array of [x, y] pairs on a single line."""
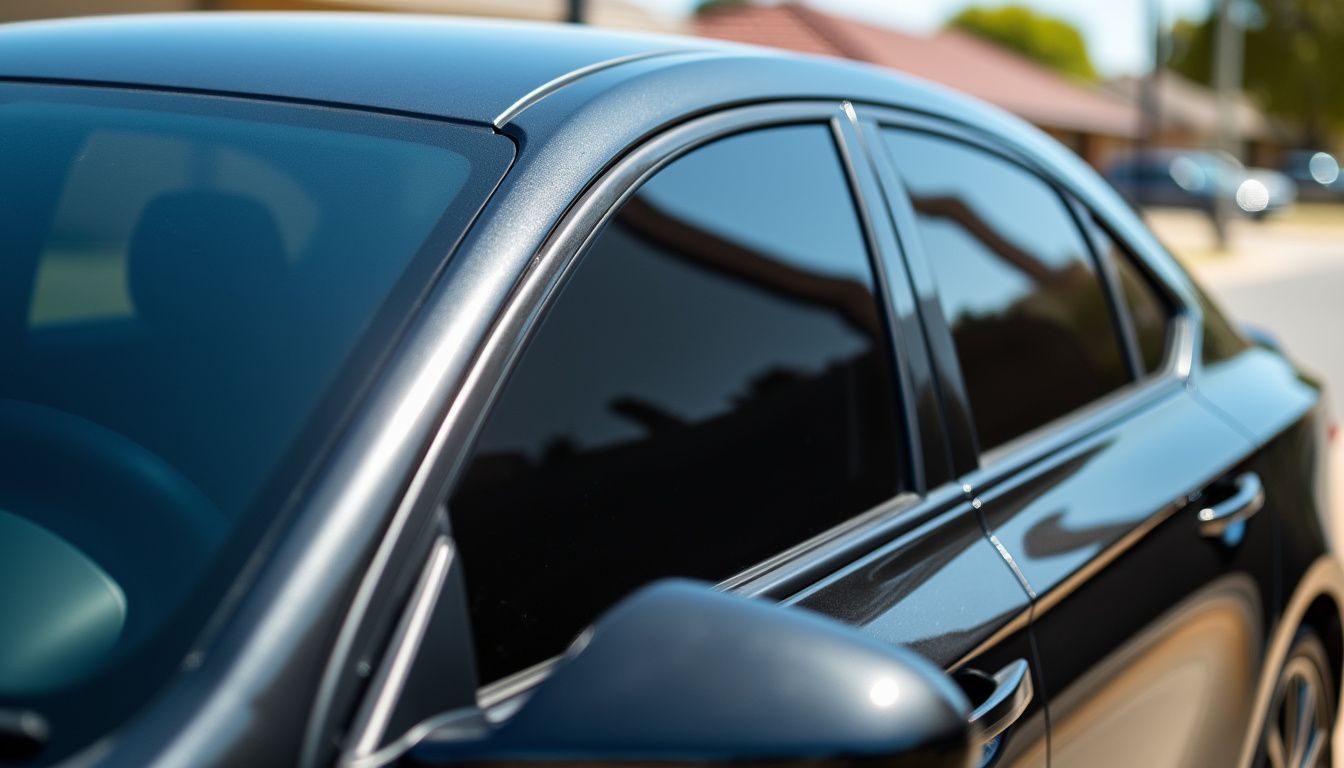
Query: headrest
{"points": [[203, 260]]}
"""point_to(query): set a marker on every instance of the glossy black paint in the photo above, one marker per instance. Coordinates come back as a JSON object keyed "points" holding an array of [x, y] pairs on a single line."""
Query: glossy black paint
{"points": [[287, 662], [680, 673], [943, 590], [1132, 603]]}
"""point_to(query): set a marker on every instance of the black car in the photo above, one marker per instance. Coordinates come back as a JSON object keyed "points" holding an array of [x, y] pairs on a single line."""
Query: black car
{"points": [[355, 366], [1184, 178], [1316, 174]]}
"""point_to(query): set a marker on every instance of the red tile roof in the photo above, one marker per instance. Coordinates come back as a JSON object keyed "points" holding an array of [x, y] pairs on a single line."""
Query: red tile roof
{"points": [[952, 58]]}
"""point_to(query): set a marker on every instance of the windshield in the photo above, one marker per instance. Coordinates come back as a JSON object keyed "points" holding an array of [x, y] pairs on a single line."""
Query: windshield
{"points": [[194, 290]]}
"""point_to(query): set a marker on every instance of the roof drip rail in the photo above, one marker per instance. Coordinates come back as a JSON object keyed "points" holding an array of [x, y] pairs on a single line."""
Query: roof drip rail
{"points": [[547, 88]]}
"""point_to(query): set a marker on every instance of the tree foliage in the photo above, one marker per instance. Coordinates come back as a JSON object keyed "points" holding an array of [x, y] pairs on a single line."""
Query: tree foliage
{"points": [[1048, 40], [1293, 62], [709, 6]]}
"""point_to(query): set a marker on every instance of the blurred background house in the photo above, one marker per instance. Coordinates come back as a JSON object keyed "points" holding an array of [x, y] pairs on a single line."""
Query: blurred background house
{"points": [[1094, 122], [1188, 118]]}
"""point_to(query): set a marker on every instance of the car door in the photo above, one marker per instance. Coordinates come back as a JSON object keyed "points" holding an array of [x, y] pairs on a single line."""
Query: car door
{"points": [[1089, 459], [731, 385]]}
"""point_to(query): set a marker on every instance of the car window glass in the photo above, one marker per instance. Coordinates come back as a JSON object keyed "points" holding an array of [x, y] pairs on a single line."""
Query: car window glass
{"points": [[196, 290], [711, 388], [82, 273], [1221, 341], [1148, 312], [1032, 328]]}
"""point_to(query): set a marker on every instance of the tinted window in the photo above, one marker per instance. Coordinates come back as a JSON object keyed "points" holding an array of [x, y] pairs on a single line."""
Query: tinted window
{"points": [[1148, 312], [194, 289], [710, 388], [1221, 340], [1032, 328]]}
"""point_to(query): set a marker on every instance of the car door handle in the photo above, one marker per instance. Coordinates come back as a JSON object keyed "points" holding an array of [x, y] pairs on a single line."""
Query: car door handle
{"points": [[1010, 692], [1247, 498]]}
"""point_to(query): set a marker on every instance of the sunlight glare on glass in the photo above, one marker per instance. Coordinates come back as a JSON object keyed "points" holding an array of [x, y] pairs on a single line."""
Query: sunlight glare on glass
{"points": [[1324, 168], [884, 692]]}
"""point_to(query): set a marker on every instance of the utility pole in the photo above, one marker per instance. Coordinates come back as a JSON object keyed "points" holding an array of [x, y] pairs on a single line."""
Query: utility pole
{"points": [[1228, 54], [575, 13], [1150, 105]]}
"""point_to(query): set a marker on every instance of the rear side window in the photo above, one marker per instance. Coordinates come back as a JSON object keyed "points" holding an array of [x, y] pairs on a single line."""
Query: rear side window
{"points": [[711, 387], [1033, 331], [1221, 341], [1148, 312]]}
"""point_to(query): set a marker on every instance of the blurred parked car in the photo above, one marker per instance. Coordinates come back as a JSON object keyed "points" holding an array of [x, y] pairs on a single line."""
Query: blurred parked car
{"points": [[1317, 175], [360, 375], [1194, 179]]}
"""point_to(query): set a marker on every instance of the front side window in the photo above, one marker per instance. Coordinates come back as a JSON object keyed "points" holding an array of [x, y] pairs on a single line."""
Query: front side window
{"points": [[711, 387], [194, 289], [1030, 321]]}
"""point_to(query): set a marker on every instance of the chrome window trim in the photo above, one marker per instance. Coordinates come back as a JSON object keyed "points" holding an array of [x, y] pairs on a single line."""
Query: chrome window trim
{"points": [[511, 112], [369, 728]]}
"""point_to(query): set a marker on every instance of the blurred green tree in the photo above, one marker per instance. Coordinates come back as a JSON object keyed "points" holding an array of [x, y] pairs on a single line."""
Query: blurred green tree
{"points": [[708, 6], [1048, 40], [1294, 60]]}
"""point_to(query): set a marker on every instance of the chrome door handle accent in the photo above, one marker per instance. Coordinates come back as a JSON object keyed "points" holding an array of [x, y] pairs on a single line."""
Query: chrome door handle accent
{"points": [[1009, 699], [1248, 499]]}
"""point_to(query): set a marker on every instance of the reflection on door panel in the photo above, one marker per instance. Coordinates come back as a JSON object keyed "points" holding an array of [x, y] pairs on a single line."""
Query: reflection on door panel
{"points": [[1144, 625], [1166, 697]]}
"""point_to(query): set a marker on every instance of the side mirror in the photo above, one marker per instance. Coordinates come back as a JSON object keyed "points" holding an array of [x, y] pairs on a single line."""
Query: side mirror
{"points": [[680, 673]]}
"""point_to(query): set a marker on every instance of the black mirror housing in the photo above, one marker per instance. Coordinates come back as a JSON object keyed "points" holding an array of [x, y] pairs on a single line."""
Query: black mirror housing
{"points": [[681, 673]]}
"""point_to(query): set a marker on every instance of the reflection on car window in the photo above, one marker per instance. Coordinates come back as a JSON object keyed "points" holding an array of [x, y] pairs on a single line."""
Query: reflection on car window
{"points": [[711, 388], [82, 269], [193, 287], [1029, 319]]}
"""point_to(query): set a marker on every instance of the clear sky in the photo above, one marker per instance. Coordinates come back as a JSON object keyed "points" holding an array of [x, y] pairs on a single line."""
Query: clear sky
{"points": [[1114, 29]]}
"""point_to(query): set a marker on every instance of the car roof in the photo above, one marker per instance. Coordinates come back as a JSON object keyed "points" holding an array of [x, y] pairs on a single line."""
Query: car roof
{"points": [[469, 70]]}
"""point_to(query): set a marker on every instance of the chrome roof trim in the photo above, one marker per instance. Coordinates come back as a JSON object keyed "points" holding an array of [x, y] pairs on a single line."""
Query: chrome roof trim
{"points": [[547, 88]]}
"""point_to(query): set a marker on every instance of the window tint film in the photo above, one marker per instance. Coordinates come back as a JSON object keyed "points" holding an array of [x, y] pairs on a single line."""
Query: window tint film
{"points": [[1221, 340], [1032, 328], [711, 388], [1148, 313]]}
